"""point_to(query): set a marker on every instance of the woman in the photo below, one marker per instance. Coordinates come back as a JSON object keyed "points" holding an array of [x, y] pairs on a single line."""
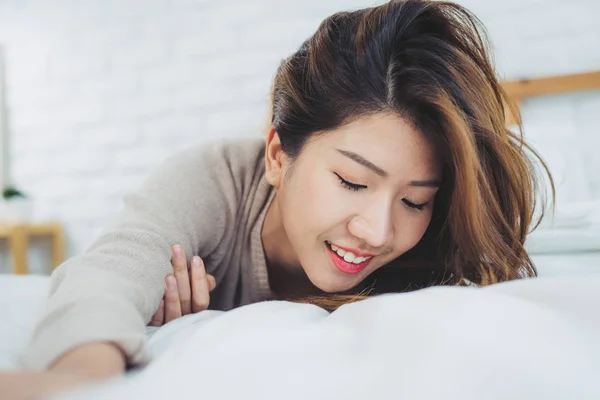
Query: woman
{"points": [[387, 167]]}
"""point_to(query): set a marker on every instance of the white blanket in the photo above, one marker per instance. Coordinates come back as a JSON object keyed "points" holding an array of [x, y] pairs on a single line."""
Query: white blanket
{"points": [[534, 339], [529, 339]]}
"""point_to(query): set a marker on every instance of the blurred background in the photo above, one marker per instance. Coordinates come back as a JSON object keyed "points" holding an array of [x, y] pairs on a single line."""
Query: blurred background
{"points": [[97, 93]]}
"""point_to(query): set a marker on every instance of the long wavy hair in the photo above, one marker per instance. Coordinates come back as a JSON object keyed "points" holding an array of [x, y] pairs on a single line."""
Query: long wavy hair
{"points": [[428, 62]]}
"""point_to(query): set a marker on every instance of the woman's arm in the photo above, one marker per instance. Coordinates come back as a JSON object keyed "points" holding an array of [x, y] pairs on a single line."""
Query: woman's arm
{"points": [[94, 361], [101, 360], [109, 293], [80, 366]]}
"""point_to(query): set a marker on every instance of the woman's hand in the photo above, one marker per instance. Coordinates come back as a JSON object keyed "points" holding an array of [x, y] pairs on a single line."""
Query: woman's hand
{"points": [[185, 292]]}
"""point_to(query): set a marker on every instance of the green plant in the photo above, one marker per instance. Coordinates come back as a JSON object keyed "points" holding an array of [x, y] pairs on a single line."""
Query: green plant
{"points": [[11, 192]]}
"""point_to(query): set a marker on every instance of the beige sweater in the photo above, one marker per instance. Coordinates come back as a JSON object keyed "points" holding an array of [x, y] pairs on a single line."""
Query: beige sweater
{"points": [[212, 199]]}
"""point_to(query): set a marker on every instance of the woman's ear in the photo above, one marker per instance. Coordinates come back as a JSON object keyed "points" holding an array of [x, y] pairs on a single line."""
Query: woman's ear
{"points": [[274, 159]]}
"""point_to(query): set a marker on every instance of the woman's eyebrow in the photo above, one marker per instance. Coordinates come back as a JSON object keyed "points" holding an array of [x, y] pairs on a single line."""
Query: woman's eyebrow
{"points": [[364, 162], [429, 183], [381, 172]]}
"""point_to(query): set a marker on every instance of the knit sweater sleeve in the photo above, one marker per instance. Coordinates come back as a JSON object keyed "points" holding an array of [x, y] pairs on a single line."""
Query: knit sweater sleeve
{"points": [[110, 292]]}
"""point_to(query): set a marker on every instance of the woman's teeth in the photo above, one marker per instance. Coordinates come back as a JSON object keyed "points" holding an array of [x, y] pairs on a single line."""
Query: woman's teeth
{"points": [[348, 256]]}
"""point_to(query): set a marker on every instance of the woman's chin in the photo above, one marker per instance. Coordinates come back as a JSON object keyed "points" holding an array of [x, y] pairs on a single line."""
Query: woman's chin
{"points": [[333, 285]]}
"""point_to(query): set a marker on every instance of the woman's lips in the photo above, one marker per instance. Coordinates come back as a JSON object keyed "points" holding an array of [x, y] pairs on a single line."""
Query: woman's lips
{"points": [[345, 266]]}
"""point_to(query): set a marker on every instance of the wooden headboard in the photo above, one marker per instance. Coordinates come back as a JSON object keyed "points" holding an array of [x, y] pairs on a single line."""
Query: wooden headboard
{"points": [[523, 88]]}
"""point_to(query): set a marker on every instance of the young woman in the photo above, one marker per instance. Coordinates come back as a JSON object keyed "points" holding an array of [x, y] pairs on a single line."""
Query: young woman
{"points": [[387, 167]]}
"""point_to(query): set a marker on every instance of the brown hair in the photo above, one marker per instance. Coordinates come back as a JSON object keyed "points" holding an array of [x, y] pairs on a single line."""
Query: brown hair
{"points": [[428, 62]]}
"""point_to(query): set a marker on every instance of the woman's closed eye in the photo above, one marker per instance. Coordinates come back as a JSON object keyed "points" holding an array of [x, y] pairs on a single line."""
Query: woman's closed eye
{"points": [[356, 187], [349, 185], [416, 206]]}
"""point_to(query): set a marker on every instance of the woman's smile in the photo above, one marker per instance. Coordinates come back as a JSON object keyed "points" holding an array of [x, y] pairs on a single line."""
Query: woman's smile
{"points": [[346, 260]]}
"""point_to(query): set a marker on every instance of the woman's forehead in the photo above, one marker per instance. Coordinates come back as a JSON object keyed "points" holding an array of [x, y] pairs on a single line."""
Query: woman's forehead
{"points": [[388, 141]]}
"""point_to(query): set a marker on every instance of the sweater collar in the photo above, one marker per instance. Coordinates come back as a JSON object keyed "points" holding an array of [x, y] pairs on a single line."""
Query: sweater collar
{"points": [[262, 289]]}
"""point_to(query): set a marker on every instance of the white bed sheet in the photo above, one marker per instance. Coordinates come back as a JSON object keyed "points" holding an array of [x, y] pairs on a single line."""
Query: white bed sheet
{"points": [[22, 300], [522, 340], [417, 341]]}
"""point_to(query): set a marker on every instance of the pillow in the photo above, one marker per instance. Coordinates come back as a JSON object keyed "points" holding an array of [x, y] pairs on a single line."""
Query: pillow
{"points": [[563, 240], [548, 127]]}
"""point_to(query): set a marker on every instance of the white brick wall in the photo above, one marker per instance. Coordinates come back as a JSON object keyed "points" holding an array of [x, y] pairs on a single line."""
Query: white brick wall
{"points": [[101, 91]]}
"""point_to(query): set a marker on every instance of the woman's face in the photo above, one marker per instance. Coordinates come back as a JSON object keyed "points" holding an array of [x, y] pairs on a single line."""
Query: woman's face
{"points": [[355, 199]]}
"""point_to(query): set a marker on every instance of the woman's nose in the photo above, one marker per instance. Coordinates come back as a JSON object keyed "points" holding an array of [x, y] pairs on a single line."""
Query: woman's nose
{"points": [[373, 225]]}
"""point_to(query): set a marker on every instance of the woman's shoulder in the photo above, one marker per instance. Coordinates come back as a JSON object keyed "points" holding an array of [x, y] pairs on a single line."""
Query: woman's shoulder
{"points": [[232, 166], [230, 150], [236, 156]]}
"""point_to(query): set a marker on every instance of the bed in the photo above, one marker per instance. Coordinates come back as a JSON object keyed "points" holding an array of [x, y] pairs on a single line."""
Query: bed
{"points": [[22, 298], [534, 338]]}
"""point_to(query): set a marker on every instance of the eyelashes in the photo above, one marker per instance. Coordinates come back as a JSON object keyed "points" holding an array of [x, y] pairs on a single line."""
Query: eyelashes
{"points": [[356, 187], [419, 207], [349, 185]]}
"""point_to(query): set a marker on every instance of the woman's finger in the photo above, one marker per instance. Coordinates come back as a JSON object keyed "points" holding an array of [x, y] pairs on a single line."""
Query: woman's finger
{"points": [[159, 315], [172, 304], [212, 282], [180, 271], [200, 292]]}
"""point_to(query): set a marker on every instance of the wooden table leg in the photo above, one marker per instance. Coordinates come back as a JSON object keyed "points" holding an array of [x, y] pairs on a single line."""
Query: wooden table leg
{"points": [[18, 247], [58, 247]]}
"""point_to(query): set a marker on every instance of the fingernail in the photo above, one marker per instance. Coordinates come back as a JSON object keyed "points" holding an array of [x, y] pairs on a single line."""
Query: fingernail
{"points": [[197, 261], [177, 250], [171, 282]]}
